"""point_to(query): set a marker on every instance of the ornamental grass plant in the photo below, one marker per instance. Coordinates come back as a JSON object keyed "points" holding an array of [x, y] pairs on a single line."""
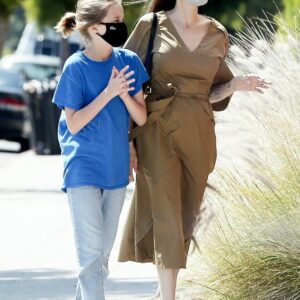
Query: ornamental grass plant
{"points": [[249, 232]]}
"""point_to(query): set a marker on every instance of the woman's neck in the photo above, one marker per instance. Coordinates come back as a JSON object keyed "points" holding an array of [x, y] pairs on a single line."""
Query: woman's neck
{"points": [[185, 13], [98, 52]]}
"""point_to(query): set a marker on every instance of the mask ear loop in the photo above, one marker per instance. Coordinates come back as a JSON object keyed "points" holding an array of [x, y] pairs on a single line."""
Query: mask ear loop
{"points": [[105, 24]]}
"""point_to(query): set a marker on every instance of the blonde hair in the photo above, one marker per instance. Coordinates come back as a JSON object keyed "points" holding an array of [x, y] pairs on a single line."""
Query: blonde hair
{"points": [[88, 12]]}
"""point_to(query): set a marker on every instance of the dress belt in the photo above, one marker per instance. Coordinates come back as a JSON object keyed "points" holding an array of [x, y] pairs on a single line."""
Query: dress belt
{"points": [[171, 90], [162, 98]]}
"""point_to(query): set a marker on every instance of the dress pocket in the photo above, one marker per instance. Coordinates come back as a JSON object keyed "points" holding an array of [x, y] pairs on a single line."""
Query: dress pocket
{"points": [[208, 109], [155, 110]]}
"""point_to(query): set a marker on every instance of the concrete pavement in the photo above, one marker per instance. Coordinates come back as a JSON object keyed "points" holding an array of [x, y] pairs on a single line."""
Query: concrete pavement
{"points": [[37, 255]]}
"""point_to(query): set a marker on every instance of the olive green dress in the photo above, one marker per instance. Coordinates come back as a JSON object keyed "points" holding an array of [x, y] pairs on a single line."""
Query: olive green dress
{"points": [[176, 148]]}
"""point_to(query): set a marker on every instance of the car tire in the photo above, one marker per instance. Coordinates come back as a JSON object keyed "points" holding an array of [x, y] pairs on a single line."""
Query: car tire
{"points": [[24, 144]]}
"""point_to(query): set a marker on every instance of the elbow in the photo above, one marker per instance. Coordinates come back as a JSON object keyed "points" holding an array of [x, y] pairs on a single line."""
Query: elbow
{"points": [[73, 130], [71, 124], [142, 121]]}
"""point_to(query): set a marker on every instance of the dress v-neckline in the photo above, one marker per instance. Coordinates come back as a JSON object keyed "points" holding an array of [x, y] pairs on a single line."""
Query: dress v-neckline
{"points": [[181, 39]]}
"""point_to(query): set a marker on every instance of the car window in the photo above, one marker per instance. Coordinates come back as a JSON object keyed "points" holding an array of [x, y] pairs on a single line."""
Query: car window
{"points": [[35, 71], [8, 79], [51, 47]]}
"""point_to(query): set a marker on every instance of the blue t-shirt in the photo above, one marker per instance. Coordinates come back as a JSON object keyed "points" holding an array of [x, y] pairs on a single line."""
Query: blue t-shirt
{"points": [[98, 155]]}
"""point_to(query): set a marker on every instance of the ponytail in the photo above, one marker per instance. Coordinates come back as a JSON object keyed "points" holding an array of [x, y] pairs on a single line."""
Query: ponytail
{"points": [[67, 24], [88, 12]]}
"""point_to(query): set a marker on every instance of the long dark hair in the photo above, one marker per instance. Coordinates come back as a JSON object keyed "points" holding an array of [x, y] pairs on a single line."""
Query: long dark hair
{"points": [[158, 5]]}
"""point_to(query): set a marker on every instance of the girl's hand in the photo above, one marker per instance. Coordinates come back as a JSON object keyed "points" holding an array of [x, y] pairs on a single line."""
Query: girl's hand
{"points": [[119, 82], [251, 83], [125, 77], [133, 162]]}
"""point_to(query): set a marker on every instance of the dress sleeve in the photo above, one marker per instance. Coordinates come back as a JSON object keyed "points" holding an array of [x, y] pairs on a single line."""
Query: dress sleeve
{"points": [[222, 76], [139, 38]]}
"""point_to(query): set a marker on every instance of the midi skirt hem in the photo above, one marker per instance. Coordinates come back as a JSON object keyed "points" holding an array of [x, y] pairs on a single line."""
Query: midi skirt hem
{"points": [[151, 260]]}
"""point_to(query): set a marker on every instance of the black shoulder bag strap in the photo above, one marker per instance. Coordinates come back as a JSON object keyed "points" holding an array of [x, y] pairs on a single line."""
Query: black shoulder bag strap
{"points": [[148, 60]]}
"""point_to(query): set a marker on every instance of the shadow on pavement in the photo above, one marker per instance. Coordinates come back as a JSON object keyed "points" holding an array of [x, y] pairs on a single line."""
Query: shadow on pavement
{"points": [[30, 191], [133, 288], [38, 284]]}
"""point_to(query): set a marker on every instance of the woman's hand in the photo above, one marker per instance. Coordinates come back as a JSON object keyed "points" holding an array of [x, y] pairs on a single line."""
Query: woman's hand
{"points": [[246, 83], [133, 162], [250, 83], [119, 82]]}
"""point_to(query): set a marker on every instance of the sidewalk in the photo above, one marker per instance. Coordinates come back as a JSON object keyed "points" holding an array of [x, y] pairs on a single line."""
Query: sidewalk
{"points": [[37, 255]]}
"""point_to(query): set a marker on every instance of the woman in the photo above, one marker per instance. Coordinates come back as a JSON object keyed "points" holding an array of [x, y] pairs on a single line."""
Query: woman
{"points": [[176, 149], [97, 94]]}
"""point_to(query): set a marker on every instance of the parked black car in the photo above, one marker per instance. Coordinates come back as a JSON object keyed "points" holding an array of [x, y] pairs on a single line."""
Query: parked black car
{"points": [[14, 114]]}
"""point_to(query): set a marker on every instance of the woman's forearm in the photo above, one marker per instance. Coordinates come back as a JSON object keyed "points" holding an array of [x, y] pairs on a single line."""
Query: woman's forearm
{"points": [[246, 83], [222, 91]]}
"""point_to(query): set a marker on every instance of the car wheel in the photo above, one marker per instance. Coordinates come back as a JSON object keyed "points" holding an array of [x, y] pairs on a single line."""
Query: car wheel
{"points": [[25, 144]]}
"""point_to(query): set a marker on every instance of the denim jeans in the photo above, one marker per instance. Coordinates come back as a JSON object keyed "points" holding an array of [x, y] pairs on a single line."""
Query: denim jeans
{"points": [[95, 215]]}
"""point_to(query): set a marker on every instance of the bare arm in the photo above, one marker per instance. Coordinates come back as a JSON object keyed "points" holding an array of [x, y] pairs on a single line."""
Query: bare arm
{"points": [[133, 157], [76, 120], [118, 84], [246, 83], [222, 91], [136, 107], [138, 111]]}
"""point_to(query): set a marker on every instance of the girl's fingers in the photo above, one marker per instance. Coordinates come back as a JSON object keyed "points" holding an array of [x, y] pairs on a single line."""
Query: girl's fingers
{"points": [[130, 81], [122, 78], [123, 75], [113, 73], [131, 178], [129, 74], [125, 84], [126, 90], [123, 71]]}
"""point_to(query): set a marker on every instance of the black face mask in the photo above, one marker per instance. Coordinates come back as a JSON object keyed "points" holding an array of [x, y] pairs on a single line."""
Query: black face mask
{"points": [[116, 34]]}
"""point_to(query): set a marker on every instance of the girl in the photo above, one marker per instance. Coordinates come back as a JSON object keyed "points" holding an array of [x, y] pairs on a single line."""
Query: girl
{"points": [[99, 88], [176, 149]]}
